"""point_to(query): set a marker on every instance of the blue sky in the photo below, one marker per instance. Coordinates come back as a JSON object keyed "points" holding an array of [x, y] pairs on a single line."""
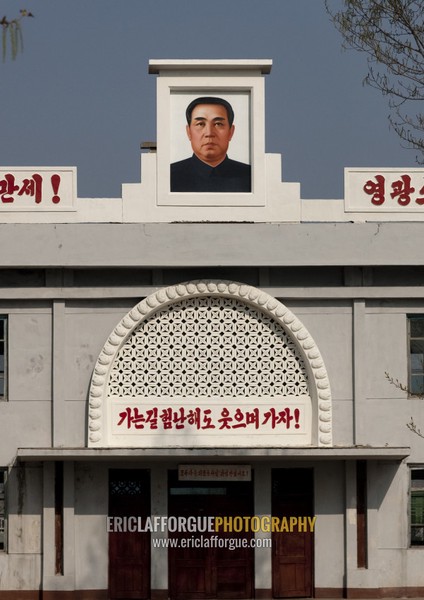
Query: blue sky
{"points": [[80, 94]]}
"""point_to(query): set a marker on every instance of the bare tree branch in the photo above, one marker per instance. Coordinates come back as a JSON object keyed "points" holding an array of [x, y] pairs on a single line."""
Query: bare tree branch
{"points": [[391, 33], [404, 388], [411, 425], [12, 28]]}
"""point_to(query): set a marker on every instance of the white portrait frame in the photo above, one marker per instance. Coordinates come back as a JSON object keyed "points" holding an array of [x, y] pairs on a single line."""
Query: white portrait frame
{"points": [[246, 95]]}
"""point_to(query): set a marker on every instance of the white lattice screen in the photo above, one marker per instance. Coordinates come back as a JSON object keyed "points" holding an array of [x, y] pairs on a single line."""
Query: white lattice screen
{"points": [[208, 346]]}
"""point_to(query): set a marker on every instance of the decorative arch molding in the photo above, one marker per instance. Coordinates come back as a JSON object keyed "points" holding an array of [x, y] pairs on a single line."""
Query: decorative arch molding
{"points": [[318, 381]]}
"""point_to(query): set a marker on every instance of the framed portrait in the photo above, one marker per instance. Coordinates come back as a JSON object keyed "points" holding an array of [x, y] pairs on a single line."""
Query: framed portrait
{"points": [[189, 177]]}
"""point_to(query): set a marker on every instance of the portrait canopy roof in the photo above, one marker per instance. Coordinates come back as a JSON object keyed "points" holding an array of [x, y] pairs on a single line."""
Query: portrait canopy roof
{"points": [[225, 64]]}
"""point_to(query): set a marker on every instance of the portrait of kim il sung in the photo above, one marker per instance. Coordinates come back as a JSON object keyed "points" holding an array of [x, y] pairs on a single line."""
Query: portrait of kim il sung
{"points": [[210, 128]]}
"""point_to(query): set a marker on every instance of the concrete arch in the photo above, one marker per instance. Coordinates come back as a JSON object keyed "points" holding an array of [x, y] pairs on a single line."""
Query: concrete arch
{"points": [[319, 385]]}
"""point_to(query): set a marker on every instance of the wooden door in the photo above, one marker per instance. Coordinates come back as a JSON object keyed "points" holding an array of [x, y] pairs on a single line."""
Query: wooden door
{"points": [[292, 552], [129, 551], [215, 571]]}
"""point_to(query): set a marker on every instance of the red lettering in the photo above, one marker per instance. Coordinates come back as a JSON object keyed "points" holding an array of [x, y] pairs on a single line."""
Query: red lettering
{"points": [[225, 420], [420, 201], [240, 417], [55, 179], [132, 417], [402, 190], [32, 187], [8, 188], [276, 418], [252, 418], [376, 190]]}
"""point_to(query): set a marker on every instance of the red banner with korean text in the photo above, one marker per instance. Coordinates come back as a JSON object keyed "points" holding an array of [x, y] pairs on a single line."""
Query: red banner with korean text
{"points": [[38, 189]]}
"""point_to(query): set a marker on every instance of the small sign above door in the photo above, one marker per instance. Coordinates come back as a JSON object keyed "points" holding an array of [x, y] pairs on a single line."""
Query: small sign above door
{"points": [[214, 473]]}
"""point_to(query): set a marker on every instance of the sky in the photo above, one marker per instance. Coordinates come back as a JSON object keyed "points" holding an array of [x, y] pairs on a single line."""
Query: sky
{"points": [[80, 94]]}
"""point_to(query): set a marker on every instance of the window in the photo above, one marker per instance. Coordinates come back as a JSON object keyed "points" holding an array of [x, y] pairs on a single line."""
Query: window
{"points": [[417, 507], [3, 357], [2, 509], [416, 354]]}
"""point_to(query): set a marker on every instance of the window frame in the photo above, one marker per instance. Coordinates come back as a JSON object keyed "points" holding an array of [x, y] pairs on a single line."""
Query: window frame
{"points": [[3, 373], [410, 389], [3, 513], [416, 492]]}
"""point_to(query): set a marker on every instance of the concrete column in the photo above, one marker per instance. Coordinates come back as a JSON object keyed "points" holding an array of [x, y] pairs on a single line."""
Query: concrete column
{"points": [[51, 579], [69, 525], [350, 522], [263, 556], [59, 423], [359, 370], [159, 507], [48, 525]]}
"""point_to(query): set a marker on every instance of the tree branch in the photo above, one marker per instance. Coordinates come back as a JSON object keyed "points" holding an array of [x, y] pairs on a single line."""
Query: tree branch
{"points": [[13, 29], [391, 33]]}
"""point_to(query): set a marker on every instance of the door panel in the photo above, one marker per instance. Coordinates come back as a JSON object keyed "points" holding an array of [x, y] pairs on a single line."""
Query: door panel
{"points": [[292, 552], [210, 572], [129, 552]]}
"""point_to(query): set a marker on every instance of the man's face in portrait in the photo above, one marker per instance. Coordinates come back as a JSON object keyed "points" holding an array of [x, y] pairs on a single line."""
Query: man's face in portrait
{"points": [[210, 133]]}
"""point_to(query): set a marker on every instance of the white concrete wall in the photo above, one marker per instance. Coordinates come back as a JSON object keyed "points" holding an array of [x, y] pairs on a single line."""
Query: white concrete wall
{"points": [[20, 567], [54, 344], [26, 416], [329, 529], [91, 537]]}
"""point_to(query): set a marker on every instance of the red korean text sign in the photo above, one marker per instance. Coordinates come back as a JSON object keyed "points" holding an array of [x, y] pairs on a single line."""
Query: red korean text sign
{"points": [[37, 189], [384, 190], [214, 421]]}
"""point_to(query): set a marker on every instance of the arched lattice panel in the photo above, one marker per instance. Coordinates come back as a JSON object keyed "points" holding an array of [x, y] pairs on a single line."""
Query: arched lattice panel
{"points": [[209, 364], [203, 347]]}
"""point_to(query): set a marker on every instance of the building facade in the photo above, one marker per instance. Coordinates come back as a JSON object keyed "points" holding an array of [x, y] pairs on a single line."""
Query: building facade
{"points": [[211, 395]]}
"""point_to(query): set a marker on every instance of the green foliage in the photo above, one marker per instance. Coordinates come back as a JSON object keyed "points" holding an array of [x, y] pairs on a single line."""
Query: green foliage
{"points": [[391, 33], [12, 29]]}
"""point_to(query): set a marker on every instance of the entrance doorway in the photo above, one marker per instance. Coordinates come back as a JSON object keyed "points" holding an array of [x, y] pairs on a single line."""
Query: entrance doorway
{"points": [[292, 552], [129, 551], [211, 570]]}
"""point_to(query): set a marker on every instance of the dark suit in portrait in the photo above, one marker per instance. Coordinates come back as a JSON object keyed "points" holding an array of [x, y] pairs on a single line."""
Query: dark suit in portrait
{"points": [[193, 175]]}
